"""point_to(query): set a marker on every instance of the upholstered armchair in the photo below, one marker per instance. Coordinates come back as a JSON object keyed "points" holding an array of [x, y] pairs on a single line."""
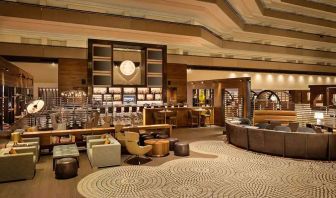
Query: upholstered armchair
{"points": [[101, 154], [133, 148], [28, 143], [17, 166]]}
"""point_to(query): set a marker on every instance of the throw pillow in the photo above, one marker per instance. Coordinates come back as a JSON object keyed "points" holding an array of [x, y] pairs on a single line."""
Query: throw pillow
{"points": [[107, 141], [12, 151]]}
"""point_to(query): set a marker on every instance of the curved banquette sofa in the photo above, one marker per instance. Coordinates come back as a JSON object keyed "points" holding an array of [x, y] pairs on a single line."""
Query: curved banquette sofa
{"points": [[317, 146]]}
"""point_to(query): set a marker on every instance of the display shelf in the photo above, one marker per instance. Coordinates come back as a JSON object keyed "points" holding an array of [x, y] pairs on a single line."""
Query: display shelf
{"points": [[203, 97]]}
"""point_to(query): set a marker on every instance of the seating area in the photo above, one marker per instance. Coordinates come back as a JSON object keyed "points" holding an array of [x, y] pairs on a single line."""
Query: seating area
{"points": [[303, 143], [167, 98], [19, 157]]}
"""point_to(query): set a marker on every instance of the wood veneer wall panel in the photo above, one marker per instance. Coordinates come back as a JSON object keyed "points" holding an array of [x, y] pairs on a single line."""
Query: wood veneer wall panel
{"points": [[71, 73], [177, 78]]}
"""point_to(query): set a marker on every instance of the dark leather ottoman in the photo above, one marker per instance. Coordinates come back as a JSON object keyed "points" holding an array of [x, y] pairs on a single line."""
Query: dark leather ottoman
{"points": [[162, 136], [145, 137], [66, 168], [181, 149], [172, 142]]}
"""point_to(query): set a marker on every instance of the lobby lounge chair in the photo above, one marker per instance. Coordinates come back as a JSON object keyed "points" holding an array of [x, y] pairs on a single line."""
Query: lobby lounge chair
{"points": [[133, 148], [17, 166], [28, 143], [101, 154]]}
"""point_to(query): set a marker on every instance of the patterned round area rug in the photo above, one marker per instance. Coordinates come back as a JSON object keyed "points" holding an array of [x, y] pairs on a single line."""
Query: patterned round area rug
{"points": [[234, 173]]}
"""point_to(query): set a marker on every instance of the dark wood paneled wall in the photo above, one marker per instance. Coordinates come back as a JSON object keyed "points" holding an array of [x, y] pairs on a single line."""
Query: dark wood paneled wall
{"points": [[316, 90], [300, 96], [177, 78], [219, 85], [13, 76], [72, 74]]}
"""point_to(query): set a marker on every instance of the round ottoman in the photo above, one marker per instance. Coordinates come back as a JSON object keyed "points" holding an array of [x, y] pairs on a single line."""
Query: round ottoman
{"points": [[181, 149], [162, 136], [66, 168], [144, 138], [160, 147], [172, 142]]}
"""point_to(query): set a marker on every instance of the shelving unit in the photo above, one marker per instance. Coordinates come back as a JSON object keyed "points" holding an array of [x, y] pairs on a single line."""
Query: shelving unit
{"points": [[203, 97], [104, 59]]}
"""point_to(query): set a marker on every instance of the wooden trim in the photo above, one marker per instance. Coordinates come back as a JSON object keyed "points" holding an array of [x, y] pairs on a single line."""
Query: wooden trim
{"points": [[204, 67], [45, 135]]}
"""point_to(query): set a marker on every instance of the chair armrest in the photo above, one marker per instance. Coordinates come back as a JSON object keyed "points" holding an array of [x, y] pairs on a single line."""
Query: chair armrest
{"points": [[33, 139], [28, 149], [92, 137], [25, 144], [95, 142]]}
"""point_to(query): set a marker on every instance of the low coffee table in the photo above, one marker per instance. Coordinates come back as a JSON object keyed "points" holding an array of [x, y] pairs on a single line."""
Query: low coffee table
{"points": [[65, 151]]}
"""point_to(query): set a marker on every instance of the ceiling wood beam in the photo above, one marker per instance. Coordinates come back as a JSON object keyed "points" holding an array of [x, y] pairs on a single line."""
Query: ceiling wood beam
{"points": [[313, 5], [293, 16]]}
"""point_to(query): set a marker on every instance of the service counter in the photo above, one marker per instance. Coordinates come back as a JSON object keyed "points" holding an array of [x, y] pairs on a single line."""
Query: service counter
{"points": [[182, 114]]}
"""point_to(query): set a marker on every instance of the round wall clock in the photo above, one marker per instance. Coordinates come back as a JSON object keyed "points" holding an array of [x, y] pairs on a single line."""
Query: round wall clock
{"points": [[127, 67]]}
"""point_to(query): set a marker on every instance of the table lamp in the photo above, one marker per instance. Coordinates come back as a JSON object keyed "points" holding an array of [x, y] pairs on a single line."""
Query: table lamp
{"points": [[318, 116], [16, 137]]}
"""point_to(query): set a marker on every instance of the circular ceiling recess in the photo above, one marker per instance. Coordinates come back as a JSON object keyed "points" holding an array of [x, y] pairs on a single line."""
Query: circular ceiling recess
{"points": [[127, 68]]}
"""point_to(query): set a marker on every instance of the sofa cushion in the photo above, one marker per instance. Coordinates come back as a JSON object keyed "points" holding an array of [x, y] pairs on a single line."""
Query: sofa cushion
{"points": [[12, 151], [256, 140], [295, 145], [332, 146], [317, 146], [274, 142], [238, 136]]}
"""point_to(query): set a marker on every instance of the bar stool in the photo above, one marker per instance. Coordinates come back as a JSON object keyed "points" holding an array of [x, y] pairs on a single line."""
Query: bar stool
{"points": [[140, 114], [172, 117], [134, 115], [126, 115], [117, 116]]}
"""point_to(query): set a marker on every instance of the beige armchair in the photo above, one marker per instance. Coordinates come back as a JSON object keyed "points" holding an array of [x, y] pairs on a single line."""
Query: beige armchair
{"points": [[17, 166], [133, 148], [28, 143], [103, 155]]}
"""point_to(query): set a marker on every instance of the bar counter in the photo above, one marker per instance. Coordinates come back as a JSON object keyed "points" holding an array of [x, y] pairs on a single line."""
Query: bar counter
{"points": [[182, 117]]}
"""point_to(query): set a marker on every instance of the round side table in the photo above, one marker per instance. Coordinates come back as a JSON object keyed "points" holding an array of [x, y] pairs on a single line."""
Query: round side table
{"points": [[160, 147]]}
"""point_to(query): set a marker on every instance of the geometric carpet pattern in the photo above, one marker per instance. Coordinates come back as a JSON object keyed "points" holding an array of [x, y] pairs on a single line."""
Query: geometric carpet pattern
{"points": [[234, 173]]}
